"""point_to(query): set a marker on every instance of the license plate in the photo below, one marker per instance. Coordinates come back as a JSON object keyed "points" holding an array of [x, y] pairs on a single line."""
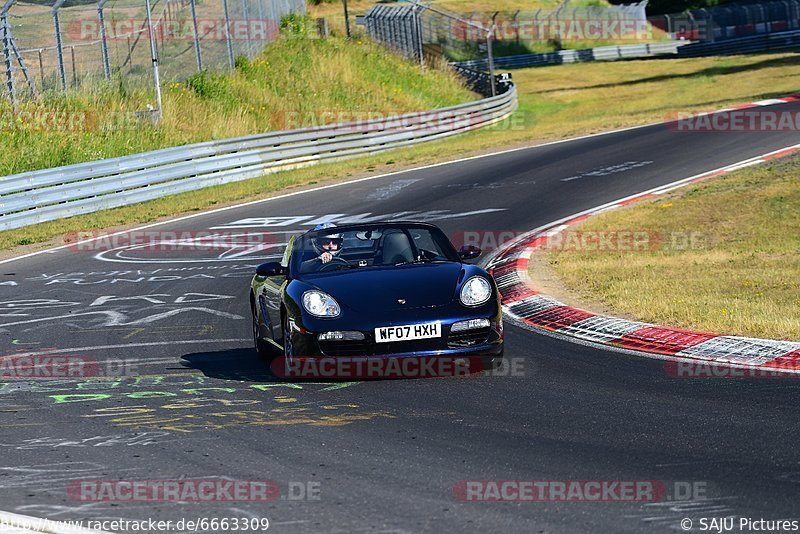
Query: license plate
{"points": [[385, 334]]}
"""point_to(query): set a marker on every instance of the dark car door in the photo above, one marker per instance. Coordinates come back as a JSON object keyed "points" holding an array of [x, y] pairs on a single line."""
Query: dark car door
{"points": [[271, 295]]}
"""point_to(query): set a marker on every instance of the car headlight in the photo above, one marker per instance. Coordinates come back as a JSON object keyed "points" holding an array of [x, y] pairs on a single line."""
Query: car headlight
{"points": [[320, 304], [475, 291]]}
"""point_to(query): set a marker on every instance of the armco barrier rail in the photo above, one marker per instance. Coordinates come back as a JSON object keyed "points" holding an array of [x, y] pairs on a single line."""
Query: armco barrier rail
{"points": [[50, 194], [745, 45], [770, 42], [601, 53]]}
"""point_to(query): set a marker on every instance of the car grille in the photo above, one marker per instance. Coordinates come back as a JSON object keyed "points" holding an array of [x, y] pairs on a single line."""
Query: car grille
{"points": [[468, 338]]}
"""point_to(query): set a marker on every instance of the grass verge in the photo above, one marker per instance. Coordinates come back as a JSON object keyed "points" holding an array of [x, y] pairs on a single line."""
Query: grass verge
{"points": [[296, 82], [477, 11], [555, 102], [739, 274]]}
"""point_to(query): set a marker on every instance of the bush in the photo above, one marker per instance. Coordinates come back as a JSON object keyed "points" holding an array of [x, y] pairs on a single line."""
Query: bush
{"points": [[295, 24], [209, 86]]}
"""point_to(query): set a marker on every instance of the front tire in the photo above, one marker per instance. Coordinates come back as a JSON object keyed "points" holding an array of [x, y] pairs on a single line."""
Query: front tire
{"points": [[287, 340], [261, 346]]}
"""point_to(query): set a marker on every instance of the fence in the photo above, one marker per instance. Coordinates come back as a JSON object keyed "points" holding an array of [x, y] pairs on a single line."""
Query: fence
{"points": [[397, 27], [51, 194], [412, 29], [731, 20], [772, 42], [52, 47], [602, 53]]}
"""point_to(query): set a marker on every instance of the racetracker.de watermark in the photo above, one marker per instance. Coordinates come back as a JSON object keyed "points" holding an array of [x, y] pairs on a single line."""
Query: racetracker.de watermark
{"points": [[738, 120], [364, 368], [192, 490], [246, 29], [557, 28], [398, 120], [623, 491], [586, 240], [174, 240], [49, 366], [67, 121], [689, 369]]}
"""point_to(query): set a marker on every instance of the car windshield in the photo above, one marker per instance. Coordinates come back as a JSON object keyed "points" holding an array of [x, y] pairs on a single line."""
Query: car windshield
{"points": [[362, 247]]}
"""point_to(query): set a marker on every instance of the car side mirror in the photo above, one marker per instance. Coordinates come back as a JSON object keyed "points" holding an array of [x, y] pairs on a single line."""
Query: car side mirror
{"points": [[469, 252], [271, 268]]}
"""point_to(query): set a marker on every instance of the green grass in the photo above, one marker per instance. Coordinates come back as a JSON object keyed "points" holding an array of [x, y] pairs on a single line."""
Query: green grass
{"points": [[555, 102], [741, 277], [296, 78], [333, 12]]}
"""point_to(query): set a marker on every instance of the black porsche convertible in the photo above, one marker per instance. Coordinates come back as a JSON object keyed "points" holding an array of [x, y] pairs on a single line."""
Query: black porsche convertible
{"points": [[377, 290]]}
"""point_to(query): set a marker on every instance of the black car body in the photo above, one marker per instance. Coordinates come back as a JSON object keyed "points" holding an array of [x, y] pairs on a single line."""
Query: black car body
{"points": [[391, 283]]}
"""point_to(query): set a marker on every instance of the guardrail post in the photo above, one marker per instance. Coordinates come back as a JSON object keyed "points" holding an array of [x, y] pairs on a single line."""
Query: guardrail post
{"points": [[228, 42], [103, 41], [154, 58], [9, 62], [62, 72]]}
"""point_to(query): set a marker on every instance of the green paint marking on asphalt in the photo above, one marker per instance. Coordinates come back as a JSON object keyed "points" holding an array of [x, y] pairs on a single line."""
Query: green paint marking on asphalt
{"points": [[18, 342], [339, 386], [266, 387]]}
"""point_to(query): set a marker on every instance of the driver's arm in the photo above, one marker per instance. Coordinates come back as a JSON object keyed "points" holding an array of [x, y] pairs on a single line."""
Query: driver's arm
{"points": [[311, 264]]}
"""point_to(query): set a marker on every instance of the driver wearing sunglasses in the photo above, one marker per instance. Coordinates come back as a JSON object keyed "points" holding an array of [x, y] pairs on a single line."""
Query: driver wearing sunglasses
{"points": [[330, 247], [327, 247]]}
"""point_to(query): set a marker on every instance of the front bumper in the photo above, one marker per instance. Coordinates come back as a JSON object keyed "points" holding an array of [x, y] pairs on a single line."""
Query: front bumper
{"points": [[487, 341]]}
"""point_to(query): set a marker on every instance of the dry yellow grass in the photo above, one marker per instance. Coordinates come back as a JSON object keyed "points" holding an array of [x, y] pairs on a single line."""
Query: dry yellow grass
{"points": [[555, 102], [333, 11], [742, 277], [310, 80]]}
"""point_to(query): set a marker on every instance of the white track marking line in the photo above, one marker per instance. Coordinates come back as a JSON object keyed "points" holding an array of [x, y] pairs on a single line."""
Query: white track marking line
{"points": [[287, 195], [126, 346], [519, 321], [615, 203]]}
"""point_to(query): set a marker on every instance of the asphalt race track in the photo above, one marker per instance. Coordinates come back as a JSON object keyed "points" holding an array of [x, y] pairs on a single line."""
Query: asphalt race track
{"points": [[383, 456]]}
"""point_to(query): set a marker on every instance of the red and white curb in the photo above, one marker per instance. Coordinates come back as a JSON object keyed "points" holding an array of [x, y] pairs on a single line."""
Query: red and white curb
{"points": [[526, 306], [768, 102]]}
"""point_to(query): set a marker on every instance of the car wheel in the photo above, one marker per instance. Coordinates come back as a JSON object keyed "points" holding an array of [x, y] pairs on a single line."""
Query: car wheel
{"points": [[287, 340], [260, 345]]}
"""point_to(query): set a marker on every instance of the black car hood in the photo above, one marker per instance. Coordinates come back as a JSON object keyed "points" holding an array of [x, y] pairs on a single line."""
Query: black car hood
{"points": [[379, 289]]}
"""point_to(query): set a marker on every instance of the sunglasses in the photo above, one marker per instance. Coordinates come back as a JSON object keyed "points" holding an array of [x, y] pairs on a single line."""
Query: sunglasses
{"points": [[336, 242]]}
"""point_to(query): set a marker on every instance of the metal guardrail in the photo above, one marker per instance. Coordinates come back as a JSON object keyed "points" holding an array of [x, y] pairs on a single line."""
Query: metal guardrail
{"points": [[745, 45], [770, 42], [730, 20], [601, 53], [50, 194]]}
